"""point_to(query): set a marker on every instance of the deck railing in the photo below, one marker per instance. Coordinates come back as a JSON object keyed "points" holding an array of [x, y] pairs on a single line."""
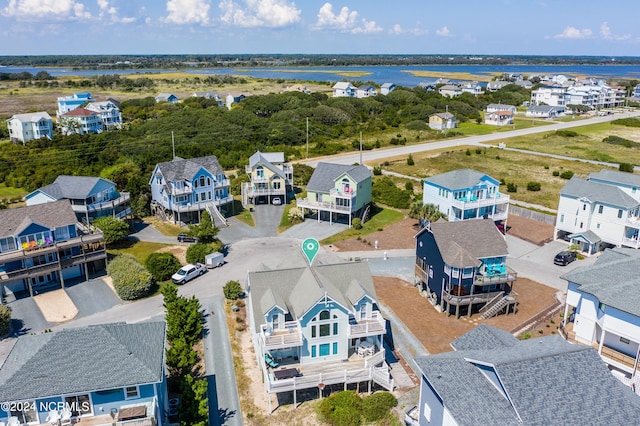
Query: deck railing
{"points": [[373, 326], [290, 335]]}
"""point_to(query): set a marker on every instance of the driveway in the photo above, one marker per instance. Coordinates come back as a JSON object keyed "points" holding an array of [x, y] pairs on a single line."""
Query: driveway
{"points": [[267, 218], [91, 297], [144, 232], [26, 317]]}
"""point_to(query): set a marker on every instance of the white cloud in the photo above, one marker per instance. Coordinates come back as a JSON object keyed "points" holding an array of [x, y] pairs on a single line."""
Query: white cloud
{"points": [[575, 33], [50, 9], [260, 13], [396, 29], [444, 32], [188, 12], [345, 21], [417, 31], [605, 32]]}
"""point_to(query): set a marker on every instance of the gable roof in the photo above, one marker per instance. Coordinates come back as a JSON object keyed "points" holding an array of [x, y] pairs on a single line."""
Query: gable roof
{"points": [[268, 159], [343, 85], [79, 112], [83, 359], [324, 176], [530, 387], [501, 107], [299, 288], [181, 169], [52, 215], [614, 279], [614, 176], [459, 179], [597, 193], [462, 243], [484, 337], [443, 115], [541, 108], [31, 117], [74, 187]]}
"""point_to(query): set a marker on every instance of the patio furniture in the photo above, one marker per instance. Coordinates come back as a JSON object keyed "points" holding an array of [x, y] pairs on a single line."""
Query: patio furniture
{"points": [[131, 413], [286, 373], [268, 359], [13, 421], [53, 418], [65, 417], [365, 349]]}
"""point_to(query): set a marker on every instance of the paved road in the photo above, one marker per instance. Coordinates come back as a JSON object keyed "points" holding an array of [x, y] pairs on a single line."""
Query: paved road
{"points": [[403, 151]]}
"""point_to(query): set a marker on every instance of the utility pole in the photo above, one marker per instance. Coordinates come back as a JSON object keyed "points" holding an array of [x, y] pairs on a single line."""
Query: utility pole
{"points": [[361, 148], [307, 137], [173, 145]]}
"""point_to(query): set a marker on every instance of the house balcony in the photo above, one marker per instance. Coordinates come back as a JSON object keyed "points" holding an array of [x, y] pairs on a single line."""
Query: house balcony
{"points": [[347, 195], [467, 203], [258, 192], [194, 207], [631, 242], [145, 414], [498, 274], [469, 299], [185, 190], [289, 336], [221, 183], [324, 206], [374, 326], [27, 253], [103, 205], [633, 221]]}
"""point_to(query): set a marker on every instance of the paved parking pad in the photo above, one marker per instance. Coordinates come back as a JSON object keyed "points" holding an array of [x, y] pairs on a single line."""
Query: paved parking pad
{"points": [[92, 296], [26, 317]]}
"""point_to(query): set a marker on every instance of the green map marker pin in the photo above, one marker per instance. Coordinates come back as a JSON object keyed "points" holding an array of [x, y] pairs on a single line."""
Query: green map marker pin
{"points": [[310, 248]]}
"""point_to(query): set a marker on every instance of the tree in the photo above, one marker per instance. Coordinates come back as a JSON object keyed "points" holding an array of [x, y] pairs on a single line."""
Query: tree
{"points": [[162, 265], [5, 320], [205, 231], [130, 279], [232, 290], [425, 211], [196, 253], [194, 404], [113, 229]]}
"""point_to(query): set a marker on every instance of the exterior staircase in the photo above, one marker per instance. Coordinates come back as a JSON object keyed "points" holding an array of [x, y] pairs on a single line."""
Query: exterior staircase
{"points": [[365, 213], [495, 305], [218, 219]]}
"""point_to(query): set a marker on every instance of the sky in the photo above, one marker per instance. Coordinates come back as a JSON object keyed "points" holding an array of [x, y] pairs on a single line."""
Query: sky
{"points": [[508, 27]]}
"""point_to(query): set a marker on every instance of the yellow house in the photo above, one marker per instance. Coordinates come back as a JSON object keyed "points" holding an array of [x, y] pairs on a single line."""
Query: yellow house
{"points": [[270, 177]]}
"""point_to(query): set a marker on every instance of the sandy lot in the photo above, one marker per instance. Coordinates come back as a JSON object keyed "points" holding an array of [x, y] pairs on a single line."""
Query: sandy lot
{"points": [[56, 306]]}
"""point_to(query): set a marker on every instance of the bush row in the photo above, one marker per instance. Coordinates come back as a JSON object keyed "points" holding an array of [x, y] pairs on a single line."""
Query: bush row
{"points": [[130, 279]]}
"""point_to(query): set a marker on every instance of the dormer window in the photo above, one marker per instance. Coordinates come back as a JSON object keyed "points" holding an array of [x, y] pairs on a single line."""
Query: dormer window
{"points": [[260, 171]]}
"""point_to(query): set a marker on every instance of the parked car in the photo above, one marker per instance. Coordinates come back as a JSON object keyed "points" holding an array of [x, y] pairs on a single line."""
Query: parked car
{"points": [[276, 201], [564, 258], [184, 238], [188, 272]]}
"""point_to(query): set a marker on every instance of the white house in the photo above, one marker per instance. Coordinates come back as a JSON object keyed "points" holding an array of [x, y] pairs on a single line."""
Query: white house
{"points": [[501, 107], [466, 194], [69, 103], [636, 92], [167, 97], [442, 121], [80, 120], [472, 87], [492, 378], [603, 307], [498, 118], [494, 86], [450, 90], [109, 111], [602, 211], [26, 127], [366, 91], [387, 88], [544, 111], [549, 95], [344, 89]]}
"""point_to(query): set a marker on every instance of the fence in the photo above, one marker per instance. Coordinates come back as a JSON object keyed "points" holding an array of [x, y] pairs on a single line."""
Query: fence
{"points": [[530, 214]]}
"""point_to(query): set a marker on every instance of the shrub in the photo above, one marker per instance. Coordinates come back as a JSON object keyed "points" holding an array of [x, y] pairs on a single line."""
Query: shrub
{"points": [[295, 215], [512, 187], [356, 223], [232, 290], [617, 140], [130, 279], [410, 161], [567, 174], [386, 192], [5, 320], [630, 122], [377, 405], [197, 252], [341, 409], [546, 167], [626, 167], [114, 229], [556, 173], [377, 171], [408, 185], [162, 265], [533, 186], [567, 133], [467, 152]]}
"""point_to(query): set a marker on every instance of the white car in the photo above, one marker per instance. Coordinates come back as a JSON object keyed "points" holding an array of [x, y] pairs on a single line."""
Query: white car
{"points": [[276, 201]]}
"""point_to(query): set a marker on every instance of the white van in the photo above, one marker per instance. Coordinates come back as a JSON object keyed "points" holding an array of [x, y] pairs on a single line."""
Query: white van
{"points": [[213, 260]]}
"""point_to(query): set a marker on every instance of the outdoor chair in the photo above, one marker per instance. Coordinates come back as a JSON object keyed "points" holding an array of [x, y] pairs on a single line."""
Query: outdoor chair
{"points": [[13, 421], [65, 417], [53, 417]]}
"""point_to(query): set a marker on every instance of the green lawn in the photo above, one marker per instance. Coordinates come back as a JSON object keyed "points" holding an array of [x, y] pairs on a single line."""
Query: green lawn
{"points": [[242, 214], [381, 217], [7, 192], [519, 168], [139, 249]]}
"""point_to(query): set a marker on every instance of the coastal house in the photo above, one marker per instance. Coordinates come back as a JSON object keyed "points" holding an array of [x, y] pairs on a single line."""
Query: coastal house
{"points": [[636, 92], [337, 189], [466, 194], [544, 111], [501, 107], [492, 378], [109, 111], [494, 86], [182, 189], [90, 197], [316, 325], [463, 266], [601, 211], [549, 95], [44, 245], [80, 120], [525, 84], [344, 89], [69, 103], [109, 374], [603, 308], [472, 87], [167, 97], [233, 99], [366, 91], [271, 178], [27, 127], [498, 118], [442, 121], [210, 95], [387, 88], [450, 90]]}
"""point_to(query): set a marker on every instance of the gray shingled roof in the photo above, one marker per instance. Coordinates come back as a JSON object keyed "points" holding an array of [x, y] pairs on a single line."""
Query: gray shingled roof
{"points": [[83, 359], [31, 117], [597, 193], [267, 159], [463, 243], [458, 179], [589, 236], [299, 288], [75, 187], [545, 380], [614, 279], [615, 176], [181, 169], [325, 175], [52, 215], [484, 337]]}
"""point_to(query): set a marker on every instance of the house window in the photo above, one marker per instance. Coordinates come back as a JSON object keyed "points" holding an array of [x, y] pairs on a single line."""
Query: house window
{"points": [[619, 214], [581, 223], [601, 307], [80, 405], [276, 184], [7, 244], [562, 218], [584, 207], [625, 340], [335, 348], [324, 349], [27, 412], [600, 208], [313, 351], [598, 226], [324, 315], [325, 330], [131, 392], [260, 171], [426, 412], [201, 180], [208, 181]]}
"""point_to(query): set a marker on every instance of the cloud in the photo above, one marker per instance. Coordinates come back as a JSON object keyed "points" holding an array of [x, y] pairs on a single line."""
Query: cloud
{"points": [[444, 32], [605, 32], [260, 13], [33, 10], [345, 21], [417, 31], [188, 12], [575, 33]]}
